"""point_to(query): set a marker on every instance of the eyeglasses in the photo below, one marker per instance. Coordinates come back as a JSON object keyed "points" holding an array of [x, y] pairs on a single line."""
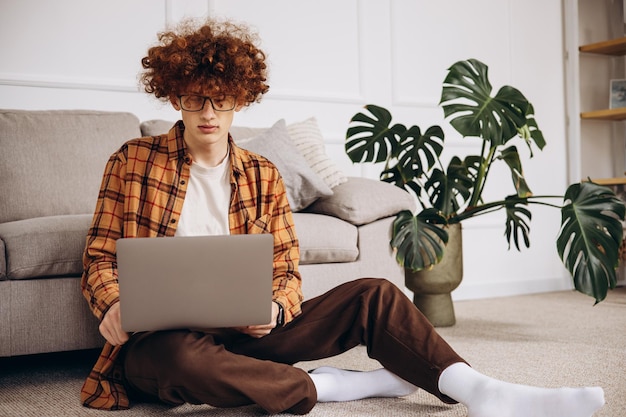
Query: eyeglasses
{"points": [[196, 103]]}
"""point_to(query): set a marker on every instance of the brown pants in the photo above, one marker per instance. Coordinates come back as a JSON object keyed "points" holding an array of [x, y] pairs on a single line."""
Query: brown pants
{"points": [[224, 368]]}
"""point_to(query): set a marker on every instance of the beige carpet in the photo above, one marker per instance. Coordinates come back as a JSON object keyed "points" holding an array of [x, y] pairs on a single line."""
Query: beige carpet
{"points": [[552, 339]]}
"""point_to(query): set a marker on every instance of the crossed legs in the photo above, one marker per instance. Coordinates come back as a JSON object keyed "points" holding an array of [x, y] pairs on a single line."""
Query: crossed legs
{"points": [[225, 369]]}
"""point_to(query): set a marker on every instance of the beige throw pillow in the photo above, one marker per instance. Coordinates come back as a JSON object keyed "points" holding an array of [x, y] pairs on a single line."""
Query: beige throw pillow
{"points": [[308, 138], [303, 185]]}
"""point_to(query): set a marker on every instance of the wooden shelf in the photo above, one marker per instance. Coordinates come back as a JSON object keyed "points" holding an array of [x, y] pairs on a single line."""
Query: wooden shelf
{"points": [[606, 114], [610, 181], [613, 47]]}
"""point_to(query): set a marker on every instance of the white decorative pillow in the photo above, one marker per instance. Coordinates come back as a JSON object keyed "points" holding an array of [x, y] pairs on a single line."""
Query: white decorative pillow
{"points": [[308, 138], [303, 185]]}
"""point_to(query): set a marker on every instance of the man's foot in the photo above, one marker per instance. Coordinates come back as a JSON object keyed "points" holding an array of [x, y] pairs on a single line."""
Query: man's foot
{"points": [[335, 384], [487, 397]]}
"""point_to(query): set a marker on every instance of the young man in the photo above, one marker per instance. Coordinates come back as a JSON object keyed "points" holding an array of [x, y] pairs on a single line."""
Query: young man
{"points": [[195, 180]]}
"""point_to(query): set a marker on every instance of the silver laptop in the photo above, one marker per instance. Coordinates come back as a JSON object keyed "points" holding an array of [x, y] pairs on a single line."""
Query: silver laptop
{"points": [[195, 282]]}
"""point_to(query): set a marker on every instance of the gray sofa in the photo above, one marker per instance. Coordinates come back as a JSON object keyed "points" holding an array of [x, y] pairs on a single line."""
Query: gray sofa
{"points": [[51, 164]]}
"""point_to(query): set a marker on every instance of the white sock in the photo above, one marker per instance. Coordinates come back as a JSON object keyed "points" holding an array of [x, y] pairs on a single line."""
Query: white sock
{"points": [[488, 397], [334, 384]]}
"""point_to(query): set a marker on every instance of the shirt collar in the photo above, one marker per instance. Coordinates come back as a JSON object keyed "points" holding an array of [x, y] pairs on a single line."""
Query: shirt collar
{"points": [[177, 148], [235, 158]]}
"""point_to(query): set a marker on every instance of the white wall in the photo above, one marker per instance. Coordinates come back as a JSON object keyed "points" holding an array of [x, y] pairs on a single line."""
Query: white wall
{"points": [[327, 58]]}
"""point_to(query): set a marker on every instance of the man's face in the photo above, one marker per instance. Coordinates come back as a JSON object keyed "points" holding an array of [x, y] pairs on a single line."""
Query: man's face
{"points": [[206, 126]]}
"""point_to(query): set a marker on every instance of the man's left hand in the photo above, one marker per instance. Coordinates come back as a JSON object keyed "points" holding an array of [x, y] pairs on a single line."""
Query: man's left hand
{"points": [[261, 330]]}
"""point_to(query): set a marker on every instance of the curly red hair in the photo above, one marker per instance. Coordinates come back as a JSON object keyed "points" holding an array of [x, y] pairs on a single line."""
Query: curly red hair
{"points": [[216, 58]]}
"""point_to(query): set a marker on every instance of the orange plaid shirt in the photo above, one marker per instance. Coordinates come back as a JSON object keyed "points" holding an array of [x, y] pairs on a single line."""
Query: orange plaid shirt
{"points": [[142, 195]]}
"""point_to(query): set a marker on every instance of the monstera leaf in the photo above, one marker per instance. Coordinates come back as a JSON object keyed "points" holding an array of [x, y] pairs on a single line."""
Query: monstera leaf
{"points": [[466, 99], [511, 157], [591, 233], [419, 152], [517, 221], [450, 190], [418, 240], [371, 138]]}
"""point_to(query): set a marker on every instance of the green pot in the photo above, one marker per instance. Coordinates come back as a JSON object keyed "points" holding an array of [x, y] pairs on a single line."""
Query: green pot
{"points": [[432, 288]]}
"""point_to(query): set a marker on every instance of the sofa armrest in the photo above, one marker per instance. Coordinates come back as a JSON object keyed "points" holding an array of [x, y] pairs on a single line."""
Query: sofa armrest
{"points": [[363, 200]]}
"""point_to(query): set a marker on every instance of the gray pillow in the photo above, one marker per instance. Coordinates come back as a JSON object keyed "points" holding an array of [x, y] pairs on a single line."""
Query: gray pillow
{"points": [[363, 200], [303, 185], [155, 127]]}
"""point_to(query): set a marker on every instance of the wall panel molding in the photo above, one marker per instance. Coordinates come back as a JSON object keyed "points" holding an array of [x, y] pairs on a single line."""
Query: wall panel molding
{"points": [[315, 96], [399, 97], [74, 83]]}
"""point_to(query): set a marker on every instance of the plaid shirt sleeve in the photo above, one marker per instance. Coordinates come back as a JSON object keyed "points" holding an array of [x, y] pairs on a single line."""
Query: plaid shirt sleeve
{"points": [[99, 282], [104, 388], [141, 195]]}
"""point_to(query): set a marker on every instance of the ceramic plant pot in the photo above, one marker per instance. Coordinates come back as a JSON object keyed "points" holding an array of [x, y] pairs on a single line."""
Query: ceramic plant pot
{"points": [[432, 288]]}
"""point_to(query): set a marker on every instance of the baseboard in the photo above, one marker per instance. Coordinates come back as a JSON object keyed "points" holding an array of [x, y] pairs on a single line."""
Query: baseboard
{"points": [[468, 291]]}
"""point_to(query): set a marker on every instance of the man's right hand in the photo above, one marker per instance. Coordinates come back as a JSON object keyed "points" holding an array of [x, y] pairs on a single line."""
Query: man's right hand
{"points": [[111, 326]]}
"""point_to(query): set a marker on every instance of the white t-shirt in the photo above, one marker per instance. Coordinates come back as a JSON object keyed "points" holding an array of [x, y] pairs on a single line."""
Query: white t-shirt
{"points": [[205, 210]]}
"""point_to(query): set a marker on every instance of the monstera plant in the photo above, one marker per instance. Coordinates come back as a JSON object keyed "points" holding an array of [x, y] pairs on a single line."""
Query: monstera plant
{"points": [[591, 232]]}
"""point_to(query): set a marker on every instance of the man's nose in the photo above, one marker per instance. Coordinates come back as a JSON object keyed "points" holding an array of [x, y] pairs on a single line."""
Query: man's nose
{"points": [[208, 110]]}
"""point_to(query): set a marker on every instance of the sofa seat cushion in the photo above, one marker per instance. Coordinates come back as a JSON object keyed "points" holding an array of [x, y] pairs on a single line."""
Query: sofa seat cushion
{"points": [[53, 246], [45, 246], [325, 239]]}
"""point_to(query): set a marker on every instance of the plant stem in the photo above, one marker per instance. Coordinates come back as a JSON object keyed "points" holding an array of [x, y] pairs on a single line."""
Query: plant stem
{"points": [[481, 177], [473, 211]]}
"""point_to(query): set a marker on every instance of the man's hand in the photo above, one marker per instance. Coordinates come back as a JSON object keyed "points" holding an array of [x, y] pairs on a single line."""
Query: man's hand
{"points": [[111, 326], [262, 329]]}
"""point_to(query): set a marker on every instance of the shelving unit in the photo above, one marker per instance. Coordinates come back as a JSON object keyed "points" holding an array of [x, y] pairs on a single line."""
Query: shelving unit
{"points": [[595, 33], [613, 47]]}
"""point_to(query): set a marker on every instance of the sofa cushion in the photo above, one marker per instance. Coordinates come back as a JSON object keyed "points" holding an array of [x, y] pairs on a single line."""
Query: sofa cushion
{"points": [[363, 200], [45, 246], [155, 127], [51, 162], [325, 239], [303, 185]]}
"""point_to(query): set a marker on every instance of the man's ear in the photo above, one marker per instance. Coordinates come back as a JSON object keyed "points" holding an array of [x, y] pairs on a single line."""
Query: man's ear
{"points": [[175, 103]]}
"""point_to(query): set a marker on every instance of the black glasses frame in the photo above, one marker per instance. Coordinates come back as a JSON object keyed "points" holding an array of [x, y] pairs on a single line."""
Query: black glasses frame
{"points": [[204, 100]]}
